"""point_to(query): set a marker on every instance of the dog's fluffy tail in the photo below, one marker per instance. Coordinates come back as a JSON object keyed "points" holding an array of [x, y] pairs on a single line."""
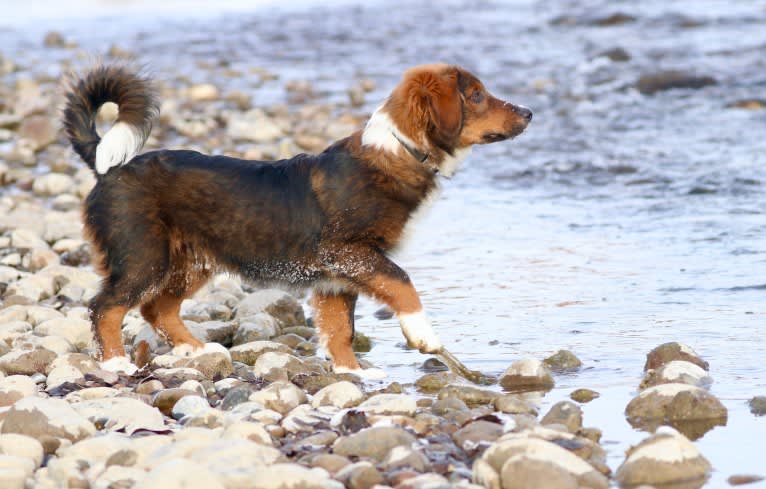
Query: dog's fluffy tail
{"points": [[138, 106]]}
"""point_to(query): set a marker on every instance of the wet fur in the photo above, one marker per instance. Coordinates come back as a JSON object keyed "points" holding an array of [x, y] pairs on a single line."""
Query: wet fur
{"points": [[163, 224]]}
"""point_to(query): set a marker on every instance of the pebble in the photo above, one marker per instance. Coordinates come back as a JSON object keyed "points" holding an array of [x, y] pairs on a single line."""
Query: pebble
{"points": [[258, 327], [52, 184], [22, 446], [667, 457], [343, 394], [45, 418], [472, 396], [360, 475], [677, 371], [191, 405], [123, 414], [78, 332], [527, 374], [675, 402], [389, 404], [373, 442], [583, 395], [63, 374], [563, 361], [15, 387], [477, 434], [280, 396], [26, 362], [273, 365], [278, 304], [667, 352], [652, 83], [757, 405], [512, 404], [180, 474], [203, 92], [432, 382], [564, 413]]}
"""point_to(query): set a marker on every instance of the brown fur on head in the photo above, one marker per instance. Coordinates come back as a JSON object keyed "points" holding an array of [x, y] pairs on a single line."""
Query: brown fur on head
{"points": [[446, 107]]}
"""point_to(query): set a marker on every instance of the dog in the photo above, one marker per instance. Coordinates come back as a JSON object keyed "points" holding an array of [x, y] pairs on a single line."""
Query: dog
{"points": [[162, 223]]}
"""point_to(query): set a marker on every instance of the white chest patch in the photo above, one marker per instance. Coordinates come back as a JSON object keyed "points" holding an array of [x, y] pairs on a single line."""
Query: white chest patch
{"points": [[381, 132], [118, 146], [417, 215], [451, 163]]}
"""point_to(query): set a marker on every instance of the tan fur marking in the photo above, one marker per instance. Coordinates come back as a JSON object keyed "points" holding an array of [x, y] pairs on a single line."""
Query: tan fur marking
{"points": [[109, 332], [333, 317], [163, 314], [396, 294]]}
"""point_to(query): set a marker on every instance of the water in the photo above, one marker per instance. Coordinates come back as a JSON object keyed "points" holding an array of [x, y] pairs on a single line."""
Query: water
{"points": [[617, 222]]}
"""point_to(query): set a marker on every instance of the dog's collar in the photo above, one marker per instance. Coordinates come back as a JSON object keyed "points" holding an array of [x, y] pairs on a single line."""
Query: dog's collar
{"points": [[416, 153]]}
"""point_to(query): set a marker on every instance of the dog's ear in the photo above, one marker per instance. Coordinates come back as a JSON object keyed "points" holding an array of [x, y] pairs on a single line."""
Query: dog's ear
{"points": [[445, 109], [431, 98]]}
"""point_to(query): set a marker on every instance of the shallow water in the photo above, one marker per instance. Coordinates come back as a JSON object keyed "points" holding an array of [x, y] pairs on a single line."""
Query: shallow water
{"points": [[617, 222]]}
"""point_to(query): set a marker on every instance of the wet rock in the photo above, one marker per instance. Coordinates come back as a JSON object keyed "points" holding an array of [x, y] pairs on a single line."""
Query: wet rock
{"points": [[666, 457], [189, 406], [221, 332], [280, 396], [15, 387], [524, 462], [472, 396], [678, 404], [527, 375], [273, 366], [433, 382], [616, 18], [677, 371], [650, 84], [748, 104], [667, 352], [389, 404], [512, 404], [738, 480], [26, 362], [563, 361], [44, 418], [618, 55], [477, 434], [361, 475], [343, 394], [258, 327], [54, 39], [445, 406], [384, 313], [564, 413], [361, 343], [757, 405], [583, 395], [374, 442]]}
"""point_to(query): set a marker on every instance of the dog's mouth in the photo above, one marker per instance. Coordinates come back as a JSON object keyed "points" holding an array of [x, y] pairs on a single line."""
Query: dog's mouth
{"points": [[494, 137]]}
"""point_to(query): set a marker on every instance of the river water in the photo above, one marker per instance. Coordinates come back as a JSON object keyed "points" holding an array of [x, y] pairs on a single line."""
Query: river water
{"points": [[617, 222]]}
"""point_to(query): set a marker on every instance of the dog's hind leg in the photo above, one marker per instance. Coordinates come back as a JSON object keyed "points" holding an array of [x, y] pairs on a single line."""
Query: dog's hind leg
{"points": [[334, 315], [163, 312]]}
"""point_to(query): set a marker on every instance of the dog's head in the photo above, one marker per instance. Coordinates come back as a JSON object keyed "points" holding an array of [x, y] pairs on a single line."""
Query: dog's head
{"points": [[445, 108]]}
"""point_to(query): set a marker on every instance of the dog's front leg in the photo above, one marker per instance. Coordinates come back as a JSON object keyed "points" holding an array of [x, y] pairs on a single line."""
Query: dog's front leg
{"points": [[376, 275]]}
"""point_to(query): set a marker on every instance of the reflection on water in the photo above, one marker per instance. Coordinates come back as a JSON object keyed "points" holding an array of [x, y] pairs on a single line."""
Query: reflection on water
{"points": [[617, 222]]}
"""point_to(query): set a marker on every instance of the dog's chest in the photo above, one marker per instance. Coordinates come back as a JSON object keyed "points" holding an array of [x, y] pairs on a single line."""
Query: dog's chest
{"points": [[416, 217]]}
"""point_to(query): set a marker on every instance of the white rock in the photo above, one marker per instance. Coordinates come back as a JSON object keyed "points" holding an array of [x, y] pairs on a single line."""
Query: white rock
{"points": [[390, 404], [122, 414], [190, 406], [13, 478], [251, 431], [249, 352], [304, 418], [253, 126], [38, 417], [33, 288], [39, 314], [180, 474], [282, 362], [11, 330], [343, 394], [14, 463], [77, 331], [52, 184], [62, 374], [203, 92], [15, 387], [238, 463], [117, 476], [22, 446], [280, 396], [27, 238], [255, 328]]}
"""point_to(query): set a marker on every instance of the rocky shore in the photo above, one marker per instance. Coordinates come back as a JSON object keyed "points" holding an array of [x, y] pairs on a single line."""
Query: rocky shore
{"points": [[263, 410]]}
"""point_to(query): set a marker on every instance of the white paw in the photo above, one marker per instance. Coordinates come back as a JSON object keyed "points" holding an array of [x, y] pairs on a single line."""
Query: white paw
{"points": [[119, 364], [364, 373], [419, 333]]}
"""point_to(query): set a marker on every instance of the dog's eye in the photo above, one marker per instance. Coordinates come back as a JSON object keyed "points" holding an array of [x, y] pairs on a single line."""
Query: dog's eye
{"points": [[477, 96]]}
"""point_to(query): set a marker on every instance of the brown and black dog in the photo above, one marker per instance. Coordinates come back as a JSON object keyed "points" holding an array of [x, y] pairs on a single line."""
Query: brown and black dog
{"points": [[163, 222]]}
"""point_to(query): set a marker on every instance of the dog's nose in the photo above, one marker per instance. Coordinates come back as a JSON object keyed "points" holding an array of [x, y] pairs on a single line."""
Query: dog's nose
{"points": [[523, 112]]}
